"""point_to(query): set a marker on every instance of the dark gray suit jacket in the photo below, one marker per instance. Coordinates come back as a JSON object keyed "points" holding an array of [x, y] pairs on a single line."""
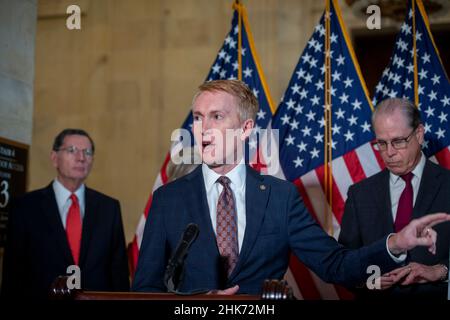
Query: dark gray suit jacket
{"points": [[368, 217]]}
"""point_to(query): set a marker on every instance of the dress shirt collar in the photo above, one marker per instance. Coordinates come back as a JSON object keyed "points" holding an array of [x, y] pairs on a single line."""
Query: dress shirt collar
{"points": [[237, 177], [417, 171], [62, 194]]}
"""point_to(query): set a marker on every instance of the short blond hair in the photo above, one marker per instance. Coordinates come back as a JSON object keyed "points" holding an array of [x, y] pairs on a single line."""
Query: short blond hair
{"points": [[246, 100]]}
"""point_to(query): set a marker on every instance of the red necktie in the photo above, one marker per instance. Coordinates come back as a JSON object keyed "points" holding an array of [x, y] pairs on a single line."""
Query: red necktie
{"points": [[226, 227], [405, 204], [73, 228]]}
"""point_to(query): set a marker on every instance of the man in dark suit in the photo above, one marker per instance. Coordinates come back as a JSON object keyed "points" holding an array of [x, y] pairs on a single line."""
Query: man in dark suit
{"points": [[248, 222], [65, 224], [409, 187]]}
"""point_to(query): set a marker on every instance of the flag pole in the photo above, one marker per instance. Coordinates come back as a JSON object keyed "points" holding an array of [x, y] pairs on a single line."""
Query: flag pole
{"points": [[237, 5], [328, 182], [416, 78]]}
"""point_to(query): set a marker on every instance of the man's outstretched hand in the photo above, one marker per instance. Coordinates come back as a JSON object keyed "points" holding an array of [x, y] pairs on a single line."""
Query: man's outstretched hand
{"points": [[418, 232]]}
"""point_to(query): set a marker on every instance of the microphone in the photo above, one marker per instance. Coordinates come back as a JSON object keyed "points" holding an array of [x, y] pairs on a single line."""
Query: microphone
{"points": [[174, 268]]}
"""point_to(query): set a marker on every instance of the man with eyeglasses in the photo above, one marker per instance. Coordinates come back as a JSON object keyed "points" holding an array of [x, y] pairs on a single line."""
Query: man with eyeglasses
{"points": [[64, 224], [410, 187]]}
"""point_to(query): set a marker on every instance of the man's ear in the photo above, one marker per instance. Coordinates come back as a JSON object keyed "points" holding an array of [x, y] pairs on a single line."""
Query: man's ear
{"points": [[420, 132], [54, 158], [247, 129]]}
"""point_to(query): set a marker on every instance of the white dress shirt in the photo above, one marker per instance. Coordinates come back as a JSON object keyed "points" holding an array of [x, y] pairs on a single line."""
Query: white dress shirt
{"points": [[64, 202], [397, 185], [237, 185]]}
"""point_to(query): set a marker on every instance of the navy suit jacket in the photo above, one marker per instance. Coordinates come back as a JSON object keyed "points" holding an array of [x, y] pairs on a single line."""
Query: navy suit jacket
{"points": [[37, 250], [276, 223], [368, 216]]}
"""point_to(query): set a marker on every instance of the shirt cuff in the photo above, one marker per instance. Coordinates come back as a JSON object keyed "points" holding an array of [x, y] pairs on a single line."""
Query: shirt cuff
{"points": [[398, 259]]}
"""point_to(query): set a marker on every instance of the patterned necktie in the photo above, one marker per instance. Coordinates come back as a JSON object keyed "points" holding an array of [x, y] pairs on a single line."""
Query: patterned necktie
{"points": [[73, 228], [405, 204], [226, 228]]}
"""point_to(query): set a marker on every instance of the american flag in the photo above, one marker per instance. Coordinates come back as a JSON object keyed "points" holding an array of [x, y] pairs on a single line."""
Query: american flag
{"points": [[302, 128], [433, 87], [227, 65]]}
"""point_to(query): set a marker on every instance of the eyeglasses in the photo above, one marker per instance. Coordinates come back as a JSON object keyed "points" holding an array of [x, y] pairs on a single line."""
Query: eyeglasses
{"points": [[397, 144], [72, 150]]}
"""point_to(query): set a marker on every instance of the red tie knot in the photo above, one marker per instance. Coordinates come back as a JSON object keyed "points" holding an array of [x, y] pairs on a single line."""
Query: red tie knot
{"points": [[407, 177]]}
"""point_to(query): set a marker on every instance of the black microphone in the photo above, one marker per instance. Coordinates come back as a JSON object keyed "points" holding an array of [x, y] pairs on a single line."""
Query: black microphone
{"points": [[175, 266]]}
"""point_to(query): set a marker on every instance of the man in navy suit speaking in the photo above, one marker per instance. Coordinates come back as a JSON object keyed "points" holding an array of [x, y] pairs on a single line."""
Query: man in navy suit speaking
{"points": [[248, 223]]}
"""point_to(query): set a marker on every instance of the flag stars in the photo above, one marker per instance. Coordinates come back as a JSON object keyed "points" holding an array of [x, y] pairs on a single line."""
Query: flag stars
{"points": [[227, 58], [432, 95], [427, 127], [255, 92], [352, 120], [261, 114], [340, 60], [336, 76], [340, 113], [298, 162], [336, 129], [315, 100], [344, 98], [311, 115], [349, 135], [435, 79], [319, 85], [303, 94], [365, 126], [295, 89], [289, 140], [445, 101], [290, 104], [285, 119], [348, 82], [294, 124], [298, 109], [216, 68], [356, 104], [423, 74], [443, 117], [314, 153], [306, 131], [429, 112], [308, 78], [426, 58], [318, 137], [407, 84], [440, 133], [302, 146], [248, 72]]}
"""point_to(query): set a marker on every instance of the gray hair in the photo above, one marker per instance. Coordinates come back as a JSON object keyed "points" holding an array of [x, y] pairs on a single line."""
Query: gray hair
{"points": [[406, 107]]}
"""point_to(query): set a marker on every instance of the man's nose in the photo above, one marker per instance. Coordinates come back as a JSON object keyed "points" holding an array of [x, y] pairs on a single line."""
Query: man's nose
{"points": [[80, 156], [390, 150]]}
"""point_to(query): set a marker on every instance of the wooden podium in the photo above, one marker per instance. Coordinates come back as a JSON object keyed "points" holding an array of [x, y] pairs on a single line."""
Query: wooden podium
{"points": [[272, 290]]}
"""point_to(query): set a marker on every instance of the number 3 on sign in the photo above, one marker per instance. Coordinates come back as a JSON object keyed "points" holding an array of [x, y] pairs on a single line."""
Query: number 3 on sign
{"points": [[4, 194]]}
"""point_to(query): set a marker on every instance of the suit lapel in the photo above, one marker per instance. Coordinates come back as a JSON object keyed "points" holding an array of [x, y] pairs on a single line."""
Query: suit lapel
{"points": [[382, 197], [256, 197], [429, 187], [89, 221], [50, 209]]}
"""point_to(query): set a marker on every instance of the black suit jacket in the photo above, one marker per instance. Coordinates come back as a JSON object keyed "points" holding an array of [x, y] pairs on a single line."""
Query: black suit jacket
{"points": [[37, 250], [368, 216]]}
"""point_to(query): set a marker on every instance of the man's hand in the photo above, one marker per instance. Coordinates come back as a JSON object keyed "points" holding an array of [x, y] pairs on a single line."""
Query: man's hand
{"points": [[418, 232], [389, 279], [418, 273], [226, 292]]}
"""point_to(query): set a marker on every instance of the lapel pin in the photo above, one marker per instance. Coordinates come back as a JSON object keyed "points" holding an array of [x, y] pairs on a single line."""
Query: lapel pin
{"points": [[262, 187]]}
